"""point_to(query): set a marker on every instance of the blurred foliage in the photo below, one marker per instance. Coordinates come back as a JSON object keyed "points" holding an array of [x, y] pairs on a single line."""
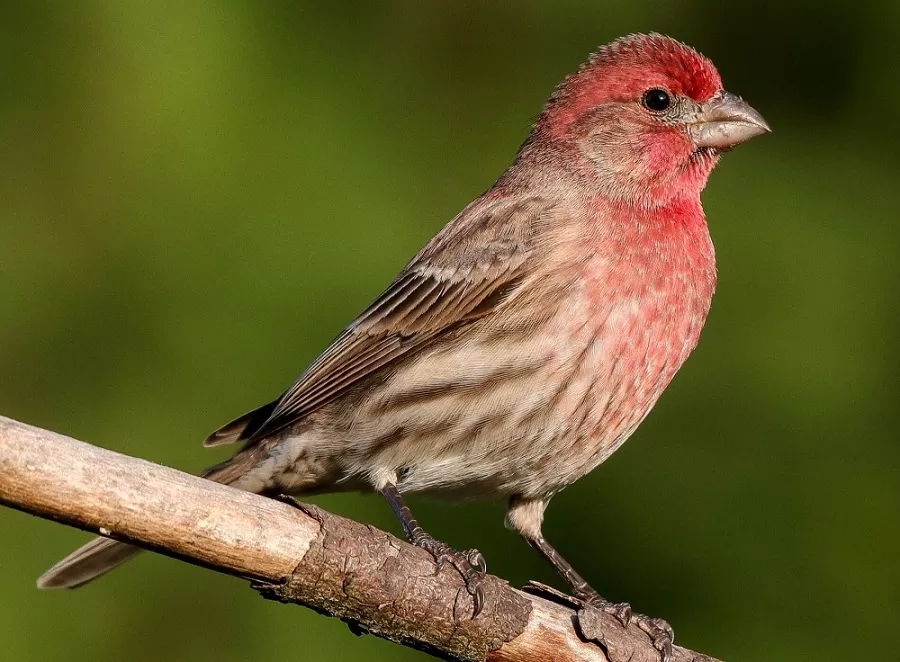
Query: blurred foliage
{"points": [[197, 196]]}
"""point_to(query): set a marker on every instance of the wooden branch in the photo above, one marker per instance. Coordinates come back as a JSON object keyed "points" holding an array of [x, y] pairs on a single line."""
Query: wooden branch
{"points": [[302, 554]]}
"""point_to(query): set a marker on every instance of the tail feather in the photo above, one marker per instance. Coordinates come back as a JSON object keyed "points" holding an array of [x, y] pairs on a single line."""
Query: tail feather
{"points": [[101, 555], [96, 558]]}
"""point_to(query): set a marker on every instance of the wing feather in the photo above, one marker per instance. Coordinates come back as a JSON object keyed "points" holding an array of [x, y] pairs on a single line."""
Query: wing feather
{"points": [[450, 283]]}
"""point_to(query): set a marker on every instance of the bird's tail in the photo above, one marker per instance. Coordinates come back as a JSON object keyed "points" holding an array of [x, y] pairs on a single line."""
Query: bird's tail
{"points": [[96, 558], [103, 554]]}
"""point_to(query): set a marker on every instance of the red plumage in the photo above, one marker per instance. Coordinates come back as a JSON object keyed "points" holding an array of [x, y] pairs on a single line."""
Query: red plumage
{"points": [[623, 69]]}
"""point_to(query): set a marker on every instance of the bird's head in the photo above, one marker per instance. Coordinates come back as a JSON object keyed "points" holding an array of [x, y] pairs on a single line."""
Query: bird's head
{"points": [[649, 116]]}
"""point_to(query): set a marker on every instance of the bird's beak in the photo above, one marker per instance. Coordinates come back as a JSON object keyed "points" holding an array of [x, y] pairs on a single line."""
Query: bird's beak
{"points": [[726, 120]]}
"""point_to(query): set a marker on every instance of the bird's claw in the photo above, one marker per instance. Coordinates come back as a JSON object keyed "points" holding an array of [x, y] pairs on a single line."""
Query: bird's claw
{"points": [[476, 560], [660, 632], [620, 610], [470, 564]]}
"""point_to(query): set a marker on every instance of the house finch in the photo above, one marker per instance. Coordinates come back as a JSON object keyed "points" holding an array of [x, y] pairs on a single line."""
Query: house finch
{"points": [[529, 338]]}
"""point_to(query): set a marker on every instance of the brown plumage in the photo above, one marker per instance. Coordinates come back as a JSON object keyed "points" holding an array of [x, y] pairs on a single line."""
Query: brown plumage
{"points": [[531, 336]]}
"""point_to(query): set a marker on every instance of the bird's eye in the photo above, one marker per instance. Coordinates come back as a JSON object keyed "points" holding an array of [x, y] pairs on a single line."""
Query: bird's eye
{"points": [[656, 100]]}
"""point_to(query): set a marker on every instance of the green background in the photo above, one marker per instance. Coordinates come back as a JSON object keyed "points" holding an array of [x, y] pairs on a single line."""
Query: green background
{"points": [[196, 196]]}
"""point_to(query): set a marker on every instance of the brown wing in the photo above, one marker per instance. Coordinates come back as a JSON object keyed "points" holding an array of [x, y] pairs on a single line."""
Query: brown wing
{"points": [[464, 273]]}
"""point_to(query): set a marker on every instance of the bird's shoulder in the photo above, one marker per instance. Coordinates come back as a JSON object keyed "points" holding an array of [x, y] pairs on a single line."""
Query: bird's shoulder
{"points": [[466, 272]]}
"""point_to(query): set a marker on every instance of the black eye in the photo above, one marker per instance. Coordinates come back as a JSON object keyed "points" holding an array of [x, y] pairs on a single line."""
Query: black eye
{"points": [[656, 99]]}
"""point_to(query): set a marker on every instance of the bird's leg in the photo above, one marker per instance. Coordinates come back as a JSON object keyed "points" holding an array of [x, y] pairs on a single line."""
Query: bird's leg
{"points": [[657, 629], [582, 590], [526, 516], [470, 563]]}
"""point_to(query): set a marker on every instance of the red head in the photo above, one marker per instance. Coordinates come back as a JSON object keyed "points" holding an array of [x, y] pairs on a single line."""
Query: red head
{"points": [[649, 116]]}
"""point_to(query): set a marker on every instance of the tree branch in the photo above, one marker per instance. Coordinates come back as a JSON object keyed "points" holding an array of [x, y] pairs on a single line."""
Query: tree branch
{"points": [[302, 554]]}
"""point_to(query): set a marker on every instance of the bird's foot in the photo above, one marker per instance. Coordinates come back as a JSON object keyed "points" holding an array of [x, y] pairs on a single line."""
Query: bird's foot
{"points": [[661, 635], [620, 610], [469, 563]]}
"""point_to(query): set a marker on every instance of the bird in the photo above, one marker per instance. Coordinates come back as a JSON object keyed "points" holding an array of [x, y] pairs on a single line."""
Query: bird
{"points": [[531, 335]]}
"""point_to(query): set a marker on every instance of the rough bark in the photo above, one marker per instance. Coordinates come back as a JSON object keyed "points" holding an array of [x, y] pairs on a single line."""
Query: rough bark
{"points": [[304, 555]]}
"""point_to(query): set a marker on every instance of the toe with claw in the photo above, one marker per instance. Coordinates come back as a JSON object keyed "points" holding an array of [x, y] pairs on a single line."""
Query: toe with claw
{"points": [[470, 564], [620, 610], [660, 634]]}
